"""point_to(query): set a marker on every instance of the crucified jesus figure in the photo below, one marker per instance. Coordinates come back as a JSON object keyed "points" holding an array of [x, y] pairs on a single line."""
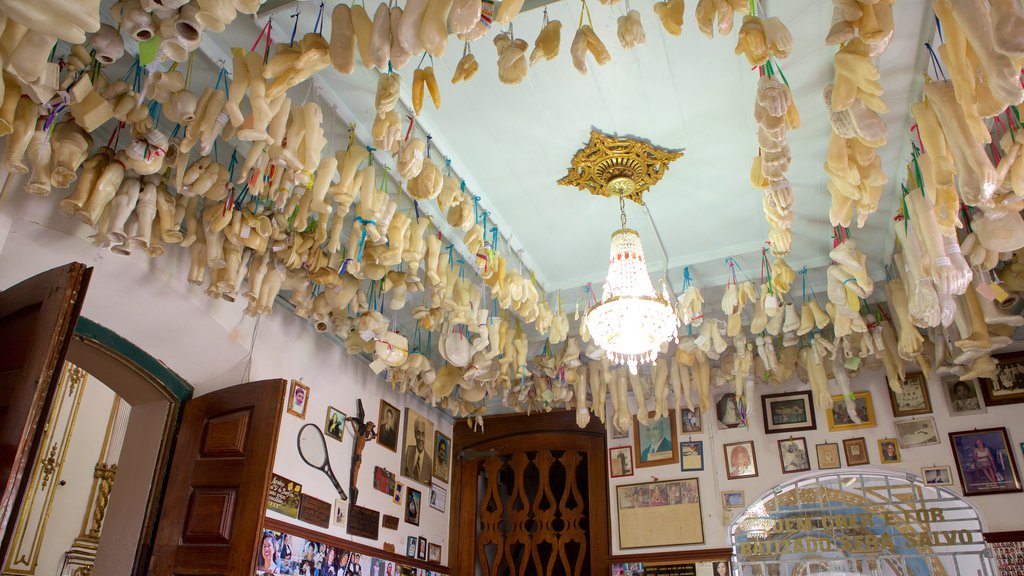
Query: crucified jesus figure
{"points": [[363, 431]]}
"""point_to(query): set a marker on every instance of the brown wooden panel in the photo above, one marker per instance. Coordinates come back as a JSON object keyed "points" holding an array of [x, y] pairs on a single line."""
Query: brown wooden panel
{"points": [[209, 517], [224, 436]]}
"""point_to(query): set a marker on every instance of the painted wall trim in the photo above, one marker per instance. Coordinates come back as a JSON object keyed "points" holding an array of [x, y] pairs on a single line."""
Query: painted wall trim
{"points": [[174, 384]]}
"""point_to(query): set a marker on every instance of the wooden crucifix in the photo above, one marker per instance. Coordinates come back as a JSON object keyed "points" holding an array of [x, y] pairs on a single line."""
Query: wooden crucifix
{"points": [[363, 431]]}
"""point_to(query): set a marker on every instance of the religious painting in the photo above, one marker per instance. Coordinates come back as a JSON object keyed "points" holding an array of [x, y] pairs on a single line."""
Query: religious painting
{"points": [[740, 460], [417, 448], [843, 417], [620, 458], [1008, 385], [442, 456], [913, 398], [937, 475], [888, 451], [692, 421], [727, 411], [917, 432], [964, 398], [660, 513], [655, 442], [788, 412], [691, 456], [828, 456], [334, 427], [984, 461], [856, 451], [298, 399], [793, 455], [412, 505], [387, 426]]}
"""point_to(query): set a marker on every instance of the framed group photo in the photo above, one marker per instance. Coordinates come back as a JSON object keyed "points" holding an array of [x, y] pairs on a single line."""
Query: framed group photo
{"points": [[656, 443], [740, 460], [793, 455], [912, 399], [788, 412], [841, 419], [984, 461], [659, 513], [1008, 385]]}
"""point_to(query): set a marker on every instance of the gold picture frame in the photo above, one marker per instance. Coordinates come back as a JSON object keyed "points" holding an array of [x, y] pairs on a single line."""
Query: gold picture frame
{"points": [[838, 418]]}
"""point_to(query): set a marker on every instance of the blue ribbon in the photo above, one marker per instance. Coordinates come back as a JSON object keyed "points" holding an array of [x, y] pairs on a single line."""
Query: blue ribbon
{"points": [[362, 237]]}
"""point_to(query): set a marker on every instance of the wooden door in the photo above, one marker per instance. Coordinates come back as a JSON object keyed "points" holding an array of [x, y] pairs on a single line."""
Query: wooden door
{"points": [[216, 493], [37, 318], [530, 498]]}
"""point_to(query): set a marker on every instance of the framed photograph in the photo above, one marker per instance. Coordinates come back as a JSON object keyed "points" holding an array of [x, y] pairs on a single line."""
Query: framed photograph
{"points": [[387, 428], [964, 398], [733, 499], [691, 456], [421, 549], [434, 553], [442, 460], [417, 448], [840, 419], [616, 435], [340, 507], [692, 422], [984, 461], [856, 451], [937, 475], [298, 399], [793, 455], [438, 498], [828, 456], [789, 412], [888, 451], [727, 411], [917, 432], [660, 513], [1008, 385], [411, 545], [620, 458], [334, 427], [740, 460], [656, 442], [399, 487], [412, 506]]}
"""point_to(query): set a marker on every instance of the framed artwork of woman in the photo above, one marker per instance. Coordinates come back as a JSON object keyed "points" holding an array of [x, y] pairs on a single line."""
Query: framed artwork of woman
{"points": [[740, 460], [984, 461]]}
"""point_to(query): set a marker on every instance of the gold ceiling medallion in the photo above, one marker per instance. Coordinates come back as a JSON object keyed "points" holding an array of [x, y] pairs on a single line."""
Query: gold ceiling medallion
{"points": [[618, 167]]}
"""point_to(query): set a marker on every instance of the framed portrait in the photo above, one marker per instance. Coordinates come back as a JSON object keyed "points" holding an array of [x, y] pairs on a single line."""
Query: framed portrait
{"points": [[727, 411], [964, 398], [411, 545], [1008, 385], [691, 456], [421, 549], [399, 487], [856, 451], [740, 460], [387, 426], [692, 423], [917, 432], [438, 498], [828, 456], [442, 456], [913, 399], [412, 506], [984, 461], [417, 448], [298, 399], [937, 475], [888, 451], [840, 419], [620, 459], [656, 442], [434, 553], [334, 426], [788, 412], [793, 456], [660, 513], [733, 499]]}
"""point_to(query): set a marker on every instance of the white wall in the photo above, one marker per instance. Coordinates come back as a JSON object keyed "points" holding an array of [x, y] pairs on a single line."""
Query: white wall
{"points": [[999, 512]]}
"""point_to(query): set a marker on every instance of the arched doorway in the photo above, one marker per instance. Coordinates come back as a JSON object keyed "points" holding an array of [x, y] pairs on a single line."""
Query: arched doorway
{"points": [[859, 522]]}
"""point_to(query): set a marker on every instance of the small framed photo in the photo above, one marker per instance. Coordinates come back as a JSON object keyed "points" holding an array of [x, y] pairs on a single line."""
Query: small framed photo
{"points": [[411, 545], [434, 553], [984, 461], [442, 463], [334, 427], [1008, 385], [937, 475], [387, 430], [692, 422], [888, 451], [438, 498], [691, 456], [733, 499], [412, 506], [421, 549], [740, 460], [964, 398], [828, 456], [298, 399], [913, 399], [917, 432], [856, 451], [656, 442], [793, 455], [727, 411], [620, 458], [789, 412], [340, 507], [399, 488], [840, 419]]}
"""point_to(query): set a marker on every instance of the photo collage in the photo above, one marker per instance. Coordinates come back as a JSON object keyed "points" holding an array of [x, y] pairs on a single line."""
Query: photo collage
{"points": [[282, 554]]}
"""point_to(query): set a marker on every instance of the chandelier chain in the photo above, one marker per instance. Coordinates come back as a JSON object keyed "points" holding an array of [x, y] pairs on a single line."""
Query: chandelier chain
{"points": [[622, 211]]}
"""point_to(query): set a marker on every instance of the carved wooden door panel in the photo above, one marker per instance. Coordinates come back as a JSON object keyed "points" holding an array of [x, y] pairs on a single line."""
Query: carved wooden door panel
{"points": [[213, 508]]}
